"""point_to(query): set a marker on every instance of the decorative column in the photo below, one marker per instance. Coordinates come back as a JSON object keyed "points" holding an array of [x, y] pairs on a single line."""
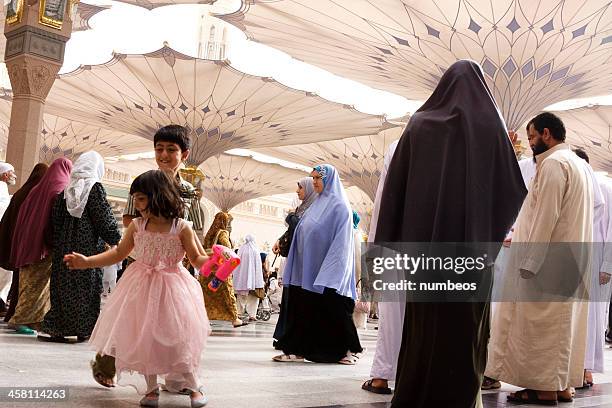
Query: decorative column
{"points": [[194, 175], [36, 34]]}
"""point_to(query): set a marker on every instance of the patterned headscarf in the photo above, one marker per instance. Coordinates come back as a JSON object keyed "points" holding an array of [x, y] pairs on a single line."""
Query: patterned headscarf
{"points": [[221, 222], [324, 171]]}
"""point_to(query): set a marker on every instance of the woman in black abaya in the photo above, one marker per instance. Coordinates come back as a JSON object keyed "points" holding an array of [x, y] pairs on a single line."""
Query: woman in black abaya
{"points": [[453, 178]]}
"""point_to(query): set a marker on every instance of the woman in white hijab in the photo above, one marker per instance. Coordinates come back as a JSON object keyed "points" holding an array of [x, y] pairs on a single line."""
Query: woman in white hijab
{"points": [[248, 278], [82, 221]]}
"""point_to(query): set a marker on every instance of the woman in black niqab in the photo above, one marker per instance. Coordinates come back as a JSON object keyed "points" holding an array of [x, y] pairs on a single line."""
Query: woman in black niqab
{"points": [[454, 178]]}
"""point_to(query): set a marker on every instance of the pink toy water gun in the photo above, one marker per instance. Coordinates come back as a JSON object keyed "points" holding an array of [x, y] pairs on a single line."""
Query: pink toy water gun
{"points": [[222, 262]]}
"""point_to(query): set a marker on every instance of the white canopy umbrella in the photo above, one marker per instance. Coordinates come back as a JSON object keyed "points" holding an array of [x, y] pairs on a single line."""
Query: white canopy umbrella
{"points": [[61, 137], [222, 107], [533, 53], [358, 159]]}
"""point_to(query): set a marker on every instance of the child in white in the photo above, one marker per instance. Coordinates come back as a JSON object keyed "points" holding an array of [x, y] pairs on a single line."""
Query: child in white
{"points": [[109, 278], [154, 323]]}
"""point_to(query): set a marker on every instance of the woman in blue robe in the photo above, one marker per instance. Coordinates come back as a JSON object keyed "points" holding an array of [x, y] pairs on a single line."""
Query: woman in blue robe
{"points": [[320, 277]]}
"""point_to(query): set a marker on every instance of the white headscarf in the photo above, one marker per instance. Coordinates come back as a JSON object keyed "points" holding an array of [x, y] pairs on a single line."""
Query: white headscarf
{"points": [[248, 275], [4, 167], [87, 171]]}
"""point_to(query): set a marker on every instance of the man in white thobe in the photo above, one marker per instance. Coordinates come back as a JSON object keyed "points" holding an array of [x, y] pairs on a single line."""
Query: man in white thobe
{"points": [[390, 313], [7, 177], [540, 345], [599, 295]]}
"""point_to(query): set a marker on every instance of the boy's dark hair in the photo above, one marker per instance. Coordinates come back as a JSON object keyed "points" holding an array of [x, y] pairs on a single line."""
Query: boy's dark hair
{"points": [[163, 193], [552, 122], [582, 154], [174, 134]]}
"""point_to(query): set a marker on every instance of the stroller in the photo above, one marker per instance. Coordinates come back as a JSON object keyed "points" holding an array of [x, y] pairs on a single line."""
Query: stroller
{"points": [[264, 310]]}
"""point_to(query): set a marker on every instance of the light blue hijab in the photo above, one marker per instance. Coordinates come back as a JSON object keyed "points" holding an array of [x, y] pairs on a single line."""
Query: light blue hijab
{"points": [[322, 251]]}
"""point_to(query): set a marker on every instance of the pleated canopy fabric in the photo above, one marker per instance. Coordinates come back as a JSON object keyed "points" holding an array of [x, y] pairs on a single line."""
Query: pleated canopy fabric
{"points": [[223, 107], [359, 160], [533, 53], [229, 179], [61, 137], [151, 4], [363, 204], [590, 128]]}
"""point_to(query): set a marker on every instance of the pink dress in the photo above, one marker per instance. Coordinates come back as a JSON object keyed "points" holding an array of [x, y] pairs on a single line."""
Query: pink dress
{"points": [[155, 322]]}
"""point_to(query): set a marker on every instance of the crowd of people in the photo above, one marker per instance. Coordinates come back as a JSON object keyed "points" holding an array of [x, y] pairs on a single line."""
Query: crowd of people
{"points": [[453, 176]]}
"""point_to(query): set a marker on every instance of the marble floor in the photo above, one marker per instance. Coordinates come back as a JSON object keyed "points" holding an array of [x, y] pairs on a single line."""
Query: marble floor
{"points": [[237, 371]]}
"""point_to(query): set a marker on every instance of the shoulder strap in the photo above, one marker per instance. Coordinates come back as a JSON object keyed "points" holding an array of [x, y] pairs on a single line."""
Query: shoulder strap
{"points": [[179, 224]]}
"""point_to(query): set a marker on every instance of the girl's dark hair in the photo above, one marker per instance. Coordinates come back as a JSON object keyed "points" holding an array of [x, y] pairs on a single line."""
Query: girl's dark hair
{"points": [[163, 193]]}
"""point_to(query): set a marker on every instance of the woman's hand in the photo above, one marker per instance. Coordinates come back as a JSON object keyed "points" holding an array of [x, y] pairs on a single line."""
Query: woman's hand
{"points": [[76, 261], [275, 248]]}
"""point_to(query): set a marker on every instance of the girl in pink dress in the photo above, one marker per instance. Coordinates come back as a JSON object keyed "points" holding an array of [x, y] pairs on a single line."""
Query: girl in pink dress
{"points": [[154, 322]]}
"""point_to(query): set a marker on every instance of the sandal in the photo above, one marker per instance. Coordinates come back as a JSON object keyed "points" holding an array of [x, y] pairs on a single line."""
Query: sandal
{"points": [[288, 358], [150, 402], [99, 376], [532, 398], [52, 339], [490, 384], [349, 359], [376, 390]]}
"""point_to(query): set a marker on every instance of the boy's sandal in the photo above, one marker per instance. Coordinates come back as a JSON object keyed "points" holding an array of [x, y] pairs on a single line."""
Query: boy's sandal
{"points": [[99, 376], [532, 398], [288, 358], [376, 390]]}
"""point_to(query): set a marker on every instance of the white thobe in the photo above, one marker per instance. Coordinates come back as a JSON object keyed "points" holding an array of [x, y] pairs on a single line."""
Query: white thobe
{"points": [[541, 345], [5, 276], [528, 171], [600, 294], [390, 314]]}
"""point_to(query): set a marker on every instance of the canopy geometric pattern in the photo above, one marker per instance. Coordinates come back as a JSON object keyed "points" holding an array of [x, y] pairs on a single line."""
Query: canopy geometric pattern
{"points": [[231, 180], [62, 137], [222, 107], [533, 53], [591, 128], [358, 159], [361, 203], [151, 4]]}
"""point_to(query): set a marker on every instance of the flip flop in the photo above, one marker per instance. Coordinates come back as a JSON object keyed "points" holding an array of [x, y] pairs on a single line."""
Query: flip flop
{"points": [[288, 358], [376, 390], [490, 384], [53, 339], [348, 360], [532, 398]]}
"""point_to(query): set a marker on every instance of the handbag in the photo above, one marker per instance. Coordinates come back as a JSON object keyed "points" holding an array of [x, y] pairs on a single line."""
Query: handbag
{"points": [[284, 242]]}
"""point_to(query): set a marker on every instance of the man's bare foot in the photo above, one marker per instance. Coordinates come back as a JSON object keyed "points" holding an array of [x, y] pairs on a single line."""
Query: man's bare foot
{"points": [[588, 377], [567, 395], [380, 383]]}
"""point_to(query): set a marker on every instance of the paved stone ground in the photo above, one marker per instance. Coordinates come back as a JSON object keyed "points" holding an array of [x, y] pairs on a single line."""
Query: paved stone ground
{"points": [[237, 371]]}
